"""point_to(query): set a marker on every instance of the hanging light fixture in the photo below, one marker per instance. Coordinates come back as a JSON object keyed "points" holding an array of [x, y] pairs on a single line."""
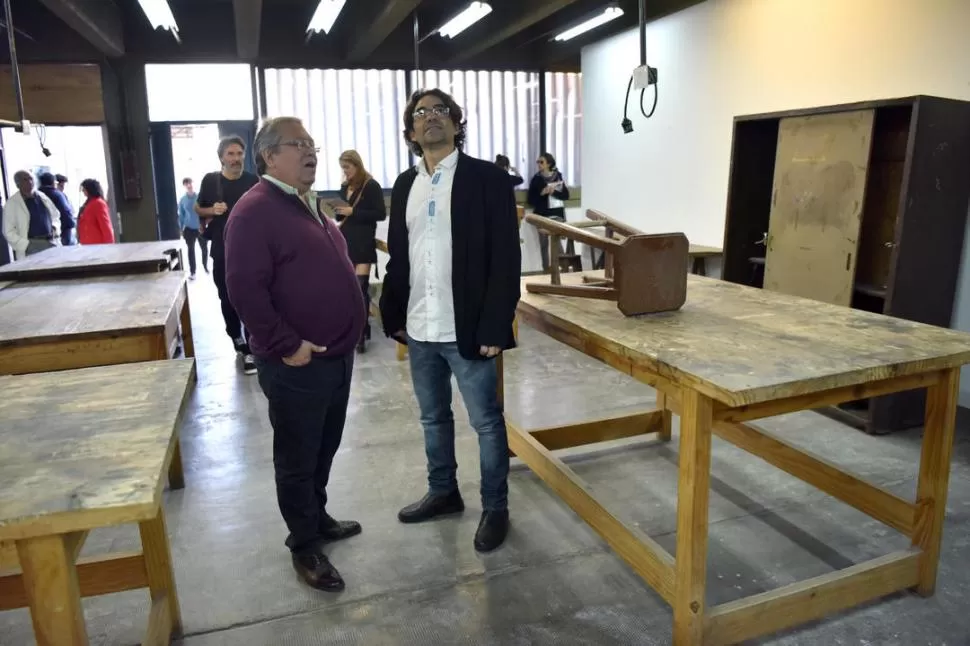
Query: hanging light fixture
{"points": [[160, 16], [472, 14], [325, 16], [610, 13]]}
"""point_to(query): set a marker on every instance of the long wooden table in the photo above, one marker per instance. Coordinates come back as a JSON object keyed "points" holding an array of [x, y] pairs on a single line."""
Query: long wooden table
{"points": [[62, 325], [735, 354], [96, 260], [79, 450]]}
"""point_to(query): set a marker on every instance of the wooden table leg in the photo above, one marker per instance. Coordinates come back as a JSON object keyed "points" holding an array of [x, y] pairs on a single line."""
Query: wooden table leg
{"points": [[185, 317], [667, 422], [166, 616], [53, 594], [934, 475], [699, 266], [693, 484], [176, 474]]}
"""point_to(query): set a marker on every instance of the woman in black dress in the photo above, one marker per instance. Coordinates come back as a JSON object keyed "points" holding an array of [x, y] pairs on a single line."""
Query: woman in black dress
{"points": [[358, 221]]}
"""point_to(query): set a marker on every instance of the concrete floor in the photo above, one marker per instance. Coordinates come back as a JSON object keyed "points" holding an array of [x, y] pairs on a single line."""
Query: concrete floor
{"points": [[555, 581]]}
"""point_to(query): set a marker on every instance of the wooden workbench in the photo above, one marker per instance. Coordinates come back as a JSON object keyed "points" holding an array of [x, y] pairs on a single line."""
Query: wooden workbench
{"points": [[734, 354], [79, 450], [96, 260]]}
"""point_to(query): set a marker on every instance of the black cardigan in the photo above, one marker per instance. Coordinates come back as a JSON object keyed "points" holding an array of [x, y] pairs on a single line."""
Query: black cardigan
{"points": [[540, 202], [360, 229], [486, 258]]}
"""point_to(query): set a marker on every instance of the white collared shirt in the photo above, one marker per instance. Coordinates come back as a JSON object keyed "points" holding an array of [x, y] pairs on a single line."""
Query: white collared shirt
{"points": [[431, 307]]}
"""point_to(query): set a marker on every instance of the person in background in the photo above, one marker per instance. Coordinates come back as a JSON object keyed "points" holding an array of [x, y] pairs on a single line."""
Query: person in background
{"points": [[547, 195], [48, 187], [94, 222], [358, 221], [218, 194], [31, 222], [189, 226], [61, 183], [505, 164], [293, 284], [450, 293]]}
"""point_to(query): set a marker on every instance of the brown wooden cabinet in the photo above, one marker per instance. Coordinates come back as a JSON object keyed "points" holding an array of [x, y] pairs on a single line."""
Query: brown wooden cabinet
{"points": [[862, 205]]}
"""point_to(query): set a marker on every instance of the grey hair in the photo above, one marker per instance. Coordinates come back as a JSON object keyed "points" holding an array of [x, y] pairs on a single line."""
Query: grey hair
{"points": [[269, 138], [229, 140], [21, 174]]}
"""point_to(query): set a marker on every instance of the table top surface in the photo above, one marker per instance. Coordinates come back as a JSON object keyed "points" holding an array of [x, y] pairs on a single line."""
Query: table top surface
{"points": [[702, 250], [59, 309], [90, 259], [87, 448], [741, 345]]}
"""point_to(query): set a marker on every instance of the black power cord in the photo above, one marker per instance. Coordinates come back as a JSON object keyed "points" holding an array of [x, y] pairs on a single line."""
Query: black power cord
{"points": [[626, 124]]}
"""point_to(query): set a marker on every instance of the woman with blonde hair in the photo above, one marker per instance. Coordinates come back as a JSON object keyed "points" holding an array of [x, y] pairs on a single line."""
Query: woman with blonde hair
{"points": [[358, 218]]}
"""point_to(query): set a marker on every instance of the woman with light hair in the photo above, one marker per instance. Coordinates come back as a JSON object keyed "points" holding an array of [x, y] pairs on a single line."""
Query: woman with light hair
{"points": [[361, 209]]}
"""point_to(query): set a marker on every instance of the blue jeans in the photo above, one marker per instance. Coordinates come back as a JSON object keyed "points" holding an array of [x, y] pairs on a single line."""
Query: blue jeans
{"points": [[432, 365]]}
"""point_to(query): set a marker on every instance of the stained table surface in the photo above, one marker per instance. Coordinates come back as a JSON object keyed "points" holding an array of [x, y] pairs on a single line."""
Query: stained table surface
{"points": [[87, 448], [741, 345], [58, 309], [82, 260]]}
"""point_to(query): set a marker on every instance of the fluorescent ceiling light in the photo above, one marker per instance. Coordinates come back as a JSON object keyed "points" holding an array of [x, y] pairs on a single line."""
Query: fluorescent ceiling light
{"points": [[610, 13], [325, 15], [159, 14], [472, 14]]}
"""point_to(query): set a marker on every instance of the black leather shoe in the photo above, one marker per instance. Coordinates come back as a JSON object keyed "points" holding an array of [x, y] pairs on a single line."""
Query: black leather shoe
{"points": [[431, 506], [492, 530], [335, 530], [317, 570]]}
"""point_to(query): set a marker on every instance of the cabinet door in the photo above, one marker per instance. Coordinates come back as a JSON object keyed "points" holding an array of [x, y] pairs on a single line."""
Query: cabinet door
{"points": [[816, 207]]}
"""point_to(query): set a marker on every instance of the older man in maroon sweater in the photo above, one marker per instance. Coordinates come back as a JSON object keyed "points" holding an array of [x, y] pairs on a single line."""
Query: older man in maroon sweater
{"points": [[291, 281]]}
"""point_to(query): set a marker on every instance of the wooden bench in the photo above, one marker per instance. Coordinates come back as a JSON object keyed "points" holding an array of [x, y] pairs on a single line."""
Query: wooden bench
{"points": [[62, 474], [96, 260], [735, 354]]}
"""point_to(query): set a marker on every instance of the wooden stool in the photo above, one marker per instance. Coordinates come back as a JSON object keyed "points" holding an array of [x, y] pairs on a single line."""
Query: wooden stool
{"points": [[644, 273]]}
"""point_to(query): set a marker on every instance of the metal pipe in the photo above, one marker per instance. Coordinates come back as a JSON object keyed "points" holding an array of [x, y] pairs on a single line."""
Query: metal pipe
{"points": [[417, 42], [643, 32], [14, 68]]}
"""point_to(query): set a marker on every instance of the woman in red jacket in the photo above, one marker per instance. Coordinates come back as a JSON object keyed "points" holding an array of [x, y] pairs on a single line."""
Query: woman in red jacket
{"points": [[94, 222]]}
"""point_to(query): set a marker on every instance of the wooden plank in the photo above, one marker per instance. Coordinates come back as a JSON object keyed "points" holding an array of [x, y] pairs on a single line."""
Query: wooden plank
{"points": [[874, 501], [600, 430], [49, 356], [117, 305], [90, 261], [642, 553], [817, 202], [741, 346], [96, 576], [814, 598], [54, 94], [87, 448], [934, 476], [158, 564], [693, 489], [159, 632], [666, 416], [52, 591]]}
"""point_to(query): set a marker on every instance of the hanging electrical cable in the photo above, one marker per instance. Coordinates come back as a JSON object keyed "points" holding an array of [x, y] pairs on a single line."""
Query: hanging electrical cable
{"points": [[643, 76]]}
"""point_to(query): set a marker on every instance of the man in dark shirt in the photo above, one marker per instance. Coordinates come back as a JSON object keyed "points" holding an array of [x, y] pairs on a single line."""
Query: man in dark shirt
{"points": [[292, 281], [218, 194], [49, 187]]}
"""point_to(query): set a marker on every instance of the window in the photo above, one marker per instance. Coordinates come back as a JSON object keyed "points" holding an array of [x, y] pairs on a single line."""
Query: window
{"points": [[501, 109], [218, 92], [564, 123], [342, 110]]}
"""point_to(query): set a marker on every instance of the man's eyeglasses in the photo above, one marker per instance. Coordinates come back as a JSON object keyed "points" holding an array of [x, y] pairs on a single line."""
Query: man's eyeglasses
{"points": [[438, 110], [303, 145]]}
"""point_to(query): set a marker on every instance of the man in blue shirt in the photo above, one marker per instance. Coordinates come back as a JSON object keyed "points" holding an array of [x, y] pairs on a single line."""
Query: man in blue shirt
{"points": [[189, 224], [56, 195]]}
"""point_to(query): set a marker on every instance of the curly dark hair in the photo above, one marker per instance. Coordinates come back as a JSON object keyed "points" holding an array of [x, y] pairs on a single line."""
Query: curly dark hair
{"points": [[454, 113]]}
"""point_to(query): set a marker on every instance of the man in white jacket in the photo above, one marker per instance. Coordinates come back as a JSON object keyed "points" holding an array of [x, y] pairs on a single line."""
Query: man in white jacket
{"points": [[31, 222]]}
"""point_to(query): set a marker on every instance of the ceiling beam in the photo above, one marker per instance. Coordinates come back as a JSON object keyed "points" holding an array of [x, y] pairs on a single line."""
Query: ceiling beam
{"points": [[248, 15], [525, 18], [98, 21], [380, 27]]}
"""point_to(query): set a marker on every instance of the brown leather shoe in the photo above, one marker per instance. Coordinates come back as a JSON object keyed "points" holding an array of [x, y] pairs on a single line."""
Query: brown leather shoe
{"points": [[317, 570], [335, 530]]}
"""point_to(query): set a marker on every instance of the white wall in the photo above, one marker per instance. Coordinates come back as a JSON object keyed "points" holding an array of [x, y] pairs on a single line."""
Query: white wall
{"points": [[731, 57]]}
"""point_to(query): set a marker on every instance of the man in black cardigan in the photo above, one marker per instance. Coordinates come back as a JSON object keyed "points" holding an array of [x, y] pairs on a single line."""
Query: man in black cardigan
{"points": [[456, 217]]}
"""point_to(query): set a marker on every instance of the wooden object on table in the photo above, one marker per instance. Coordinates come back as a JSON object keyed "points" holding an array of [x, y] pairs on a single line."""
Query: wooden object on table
{"points": [[862, 205], [62, 325], [96, 260], [79, 450], [732, 355], [646, 273]]}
